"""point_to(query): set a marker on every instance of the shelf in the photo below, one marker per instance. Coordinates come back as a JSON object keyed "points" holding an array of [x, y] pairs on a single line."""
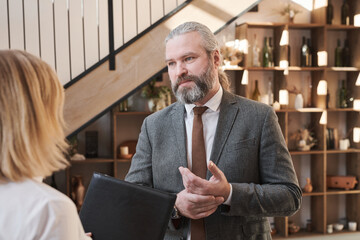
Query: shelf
{"points": [[301, 110], [341, 110], [335, 151], [343, 69], [294, 153], [123, 160], [93, 160], [276, 68], [313, 194], [341, 27], [342, 192], [301, 234]]}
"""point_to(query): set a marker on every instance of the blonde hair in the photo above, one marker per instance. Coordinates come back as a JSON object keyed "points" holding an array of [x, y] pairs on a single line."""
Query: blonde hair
{"points": [[209, 43], [32, 140]]}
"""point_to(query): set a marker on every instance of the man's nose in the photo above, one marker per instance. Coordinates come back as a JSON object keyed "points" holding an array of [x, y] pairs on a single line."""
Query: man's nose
{"points": [[181, 70]]}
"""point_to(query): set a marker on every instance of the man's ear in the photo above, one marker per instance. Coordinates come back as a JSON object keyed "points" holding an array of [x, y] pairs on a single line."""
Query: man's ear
{"points": [[217, 58]]}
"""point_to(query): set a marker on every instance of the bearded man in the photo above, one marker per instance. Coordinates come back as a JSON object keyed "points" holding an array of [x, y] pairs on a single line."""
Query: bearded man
{"points": [[223, 155]]}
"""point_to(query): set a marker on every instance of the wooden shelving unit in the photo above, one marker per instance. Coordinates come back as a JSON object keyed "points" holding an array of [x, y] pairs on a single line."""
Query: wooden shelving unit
{"points": [[320, 162]]}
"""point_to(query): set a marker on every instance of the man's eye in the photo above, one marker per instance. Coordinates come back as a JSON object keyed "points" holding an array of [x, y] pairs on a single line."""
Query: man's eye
{"points": [[189, 59], [170, 64]]}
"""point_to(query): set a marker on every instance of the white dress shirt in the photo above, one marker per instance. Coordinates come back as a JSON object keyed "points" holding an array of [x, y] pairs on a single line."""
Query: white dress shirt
{"points": [[33, 210], [210, 120]]}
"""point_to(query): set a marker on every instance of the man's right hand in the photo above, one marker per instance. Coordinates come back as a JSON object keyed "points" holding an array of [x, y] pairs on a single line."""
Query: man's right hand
{"points": [[196, 206]]}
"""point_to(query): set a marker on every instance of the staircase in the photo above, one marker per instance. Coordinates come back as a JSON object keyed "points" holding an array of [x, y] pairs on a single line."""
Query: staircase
{"points": [[140, 53]]}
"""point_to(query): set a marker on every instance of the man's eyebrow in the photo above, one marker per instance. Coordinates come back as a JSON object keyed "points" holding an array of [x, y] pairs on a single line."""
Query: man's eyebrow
{"points": [[182, 56]]}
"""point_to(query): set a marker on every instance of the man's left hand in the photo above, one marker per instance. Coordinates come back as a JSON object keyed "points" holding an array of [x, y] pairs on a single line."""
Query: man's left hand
{"points": [[216, 186]]}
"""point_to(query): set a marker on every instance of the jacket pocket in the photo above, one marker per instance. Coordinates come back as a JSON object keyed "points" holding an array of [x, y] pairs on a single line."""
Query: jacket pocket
{"points": [[257, 230]]}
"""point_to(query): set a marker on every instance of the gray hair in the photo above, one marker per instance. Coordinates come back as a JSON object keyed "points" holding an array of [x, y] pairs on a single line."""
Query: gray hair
{"points": [[209, 43]]}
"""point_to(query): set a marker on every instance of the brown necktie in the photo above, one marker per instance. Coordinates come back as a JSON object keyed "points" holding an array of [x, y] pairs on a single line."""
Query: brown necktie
{"points": [[198, 165]]}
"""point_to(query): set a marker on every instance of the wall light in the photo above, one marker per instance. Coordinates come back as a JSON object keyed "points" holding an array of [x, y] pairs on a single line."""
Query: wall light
{"points": [[356, 134], [323, 118], [284, 40], [356, 104], [357, 20], [245, 78], [322, 88], [357, 83], [322, 58], [284, 97]]}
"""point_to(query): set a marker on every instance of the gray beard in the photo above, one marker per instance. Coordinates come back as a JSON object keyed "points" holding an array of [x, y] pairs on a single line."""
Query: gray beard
{"points": [[203, 84]]}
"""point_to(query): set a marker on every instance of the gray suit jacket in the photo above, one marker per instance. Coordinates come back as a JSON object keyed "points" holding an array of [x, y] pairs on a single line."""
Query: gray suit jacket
{"points": [[248, 147]]}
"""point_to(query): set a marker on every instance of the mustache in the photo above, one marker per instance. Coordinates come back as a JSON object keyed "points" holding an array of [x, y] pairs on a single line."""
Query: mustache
{"points": [[181, 79]]}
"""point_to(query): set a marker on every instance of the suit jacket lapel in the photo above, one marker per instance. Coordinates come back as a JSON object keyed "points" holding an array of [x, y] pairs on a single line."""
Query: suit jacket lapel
{"points": [[226, 120], [178, 123]]}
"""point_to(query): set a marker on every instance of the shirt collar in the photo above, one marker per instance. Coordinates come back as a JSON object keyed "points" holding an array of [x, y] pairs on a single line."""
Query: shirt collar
{"points": [[213, 103]]}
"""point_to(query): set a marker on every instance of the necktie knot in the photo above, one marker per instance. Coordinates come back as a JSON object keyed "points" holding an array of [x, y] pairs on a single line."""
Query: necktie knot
{"points": [[199, 110]]}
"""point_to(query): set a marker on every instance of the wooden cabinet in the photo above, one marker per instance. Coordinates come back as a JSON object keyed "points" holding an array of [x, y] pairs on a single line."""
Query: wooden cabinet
{"points": [[322, 206]]}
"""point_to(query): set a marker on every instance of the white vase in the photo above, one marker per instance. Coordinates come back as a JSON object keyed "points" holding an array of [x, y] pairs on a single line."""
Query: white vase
{"points": [[299, 101]]}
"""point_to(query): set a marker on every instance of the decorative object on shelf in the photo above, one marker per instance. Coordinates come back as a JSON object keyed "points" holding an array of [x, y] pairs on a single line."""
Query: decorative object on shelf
{"points": [[77, 190], [73, 150], [308, 188], [284, 97], [338, 55], [124, 106], [344, 144], [332, 138], [329, 12], [346, 54], [345, 13], [91, 144], [256, 93], [352, 226], [293, 228], [329, 228], [266, 53], [304, 139], [289, 12], [356, 134], [346, 182], [159, 96], [323, 118], [270, 95], [233, 52], [126, 149], [338, 226], [342, 93], [276, 106]]}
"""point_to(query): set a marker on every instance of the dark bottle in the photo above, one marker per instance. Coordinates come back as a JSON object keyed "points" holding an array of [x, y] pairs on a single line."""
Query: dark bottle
{"points": [[256, 93], [329, 13], [338, 56], [310, 55], [345, 13], [327, 98], [346, 54], [271, 53], [266, 54], [304, 50], [343, 95]]}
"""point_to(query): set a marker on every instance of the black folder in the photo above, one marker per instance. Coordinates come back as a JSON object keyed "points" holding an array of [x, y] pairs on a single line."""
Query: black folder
{"points": [[115, 209]]}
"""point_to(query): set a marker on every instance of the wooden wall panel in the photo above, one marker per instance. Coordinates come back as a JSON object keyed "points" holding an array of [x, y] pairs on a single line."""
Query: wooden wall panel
{"points": [[157, 10], [4, 27], [47, 45], [118, 23], [130, 25], [169, 5], [103, 29], [143, 10], [76, 38], [90, 33], [16, 24], [62, 41], [31, 20]]}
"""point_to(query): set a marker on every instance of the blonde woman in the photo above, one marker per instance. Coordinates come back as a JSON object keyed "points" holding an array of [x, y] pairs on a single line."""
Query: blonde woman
{"points": [[32, 144]]}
